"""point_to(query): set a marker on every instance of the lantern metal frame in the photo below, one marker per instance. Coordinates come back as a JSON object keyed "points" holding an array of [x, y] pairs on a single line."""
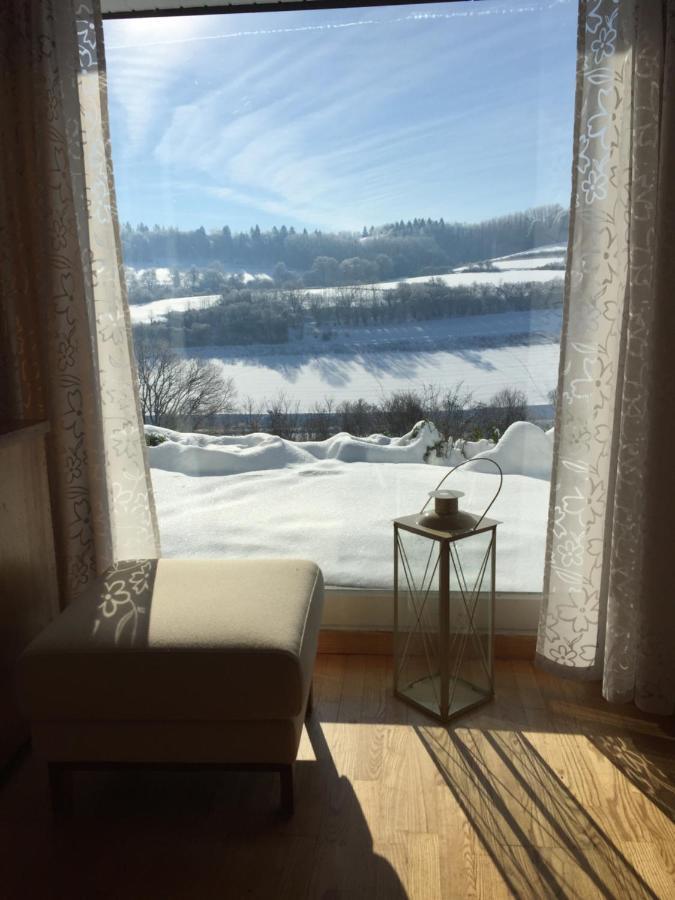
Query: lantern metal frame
{"points": [[469, 595]]}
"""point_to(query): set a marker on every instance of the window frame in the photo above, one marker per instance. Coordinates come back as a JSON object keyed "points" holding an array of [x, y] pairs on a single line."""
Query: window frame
{"points": [[519, 609], [159, 10]]}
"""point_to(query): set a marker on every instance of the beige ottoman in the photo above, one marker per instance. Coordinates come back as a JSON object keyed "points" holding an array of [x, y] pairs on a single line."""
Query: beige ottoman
{"points": [[174, 662]]}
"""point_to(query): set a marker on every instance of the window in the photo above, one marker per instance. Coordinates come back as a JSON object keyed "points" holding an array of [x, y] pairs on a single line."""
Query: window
{"points": [[344, 234]]}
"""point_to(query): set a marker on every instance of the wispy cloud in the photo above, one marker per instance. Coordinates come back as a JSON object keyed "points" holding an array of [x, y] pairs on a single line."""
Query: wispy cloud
{"points": [[310, 118]]}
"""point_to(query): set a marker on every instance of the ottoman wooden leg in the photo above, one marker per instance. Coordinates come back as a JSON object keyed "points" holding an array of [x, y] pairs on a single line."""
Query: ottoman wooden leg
{"points": [[310, 702], [61, 788], [287, 799]]}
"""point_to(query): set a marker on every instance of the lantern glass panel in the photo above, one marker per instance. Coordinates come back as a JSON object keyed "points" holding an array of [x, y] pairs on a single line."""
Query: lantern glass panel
{"points": [[470, 621], [417, 646]]}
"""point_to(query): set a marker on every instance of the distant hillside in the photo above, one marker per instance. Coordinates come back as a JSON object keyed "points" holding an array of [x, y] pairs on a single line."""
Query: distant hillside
{"points": [[323, 259]]}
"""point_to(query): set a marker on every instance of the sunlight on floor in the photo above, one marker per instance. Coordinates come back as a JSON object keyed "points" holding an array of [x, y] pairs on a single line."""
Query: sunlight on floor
{"points": [[543, 813]]}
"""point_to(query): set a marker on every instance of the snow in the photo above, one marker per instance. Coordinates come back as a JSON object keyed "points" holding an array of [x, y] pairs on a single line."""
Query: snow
{"points": [[457, 278], [473, 448], [247, 277], [158, 309], [528, 259], [484, 353], [201, 454], [542, 250], [162, 273], [339, 515], [536, 263], [309, 378], [524, 449], [333, 501], [457, 332]]}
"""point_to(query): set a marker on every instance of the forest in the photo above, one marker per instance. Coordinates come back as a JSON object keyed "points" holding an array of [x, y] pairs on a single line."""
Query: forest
{"points": [[296, 259]]}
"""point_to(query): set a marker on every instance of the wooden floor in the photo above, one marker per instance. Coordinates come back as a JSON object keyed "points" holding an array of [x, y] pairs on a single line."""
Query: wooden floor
{"points": [[546, 792]]}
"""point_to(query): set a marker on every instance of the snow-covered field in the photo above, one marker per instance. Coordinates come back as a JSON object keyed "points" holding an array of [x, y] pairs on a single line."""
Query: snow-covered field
{"points": [[484, 353], [505, 265], [529, 259], [527, 362], [157, 309], [458, 278], [541, 250], [333, 501]]}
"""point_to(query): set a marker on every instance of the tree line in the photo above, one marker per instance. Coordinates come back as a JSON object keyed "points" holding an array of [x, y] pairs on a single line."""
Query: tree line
{"points": [[454, 412], [249, 316], [325, 259]]}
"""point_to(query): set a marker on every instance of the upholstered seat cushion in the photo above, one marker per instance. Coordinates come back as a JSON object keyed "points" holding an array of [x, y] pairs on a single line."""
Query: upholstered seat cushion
{"points": [[200, 640]]}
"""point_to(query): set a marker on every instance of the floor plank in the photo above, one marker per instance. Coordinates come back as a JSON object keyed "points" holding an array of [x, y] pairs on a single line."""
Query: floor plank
{"points": [[546, 792]]}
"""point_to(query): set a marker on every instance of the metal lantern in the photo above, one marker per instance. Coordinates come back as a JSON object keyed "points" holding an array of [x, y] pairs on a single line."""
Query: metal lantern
{"points": [[444, 593]]}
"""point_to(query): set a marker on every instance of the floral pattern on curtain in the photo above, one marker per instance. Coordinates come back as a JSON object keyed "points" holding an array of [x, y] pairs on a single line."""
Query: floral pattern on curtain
{"points": [[65, 335], [608, 598]]}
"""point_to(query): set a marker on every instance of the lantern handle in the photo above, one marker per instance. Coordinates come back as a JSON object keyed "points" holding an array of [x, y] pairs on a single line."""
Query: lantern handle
{"points": [[463, 463]]}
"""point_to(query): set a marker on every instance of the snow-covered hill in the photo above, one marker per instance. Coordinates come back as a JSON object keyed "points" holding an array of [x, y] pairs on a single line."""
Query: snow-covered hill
{"points": [[513, 269], [458, 278], [484, 352]]}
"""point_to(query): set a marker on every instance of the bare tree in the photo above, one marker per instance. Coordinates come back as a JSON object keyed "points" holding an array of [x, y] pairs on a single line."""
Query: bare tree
{"points": [[553, 397], [506, 407], [401, 410], [283, 417], [254, 413], [457, 412], [358, 417], [175, 391], [319, 422]]}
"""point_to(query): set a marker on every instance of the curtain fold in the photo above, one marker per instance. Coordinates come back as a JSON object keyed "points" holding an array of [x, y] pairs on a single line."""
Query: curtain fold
{"points": [[65, 336], [609, 598]]}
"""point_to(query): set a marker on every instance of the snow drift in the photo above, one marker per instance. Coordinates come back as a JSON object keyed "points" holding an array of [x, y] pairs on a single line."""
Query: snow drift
{"points": [[201, 454], [524, 449]]}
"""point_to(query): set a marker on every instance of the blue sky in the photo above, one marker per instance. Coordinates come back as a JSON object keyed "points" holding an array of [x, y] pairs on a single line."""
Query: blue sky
{"points": [[336, 119]]}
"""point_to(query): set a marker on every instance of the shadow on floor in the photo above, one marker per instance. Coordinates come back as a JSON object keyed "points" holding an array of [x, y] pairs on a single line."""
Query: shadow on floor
{"points": [[542, 840], [141, 835]]}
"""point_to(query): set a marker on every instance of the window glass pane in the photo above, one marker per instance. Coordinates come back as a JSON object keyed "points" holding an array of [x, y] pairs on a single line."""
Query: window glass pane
{"points": [[344, 234]]}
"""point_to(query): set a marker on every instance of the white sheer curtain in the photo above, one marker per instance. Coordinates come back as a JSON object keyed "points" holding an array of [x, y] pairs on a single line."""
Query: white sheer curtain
{"points": [[609, 594], [65, 339]]}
